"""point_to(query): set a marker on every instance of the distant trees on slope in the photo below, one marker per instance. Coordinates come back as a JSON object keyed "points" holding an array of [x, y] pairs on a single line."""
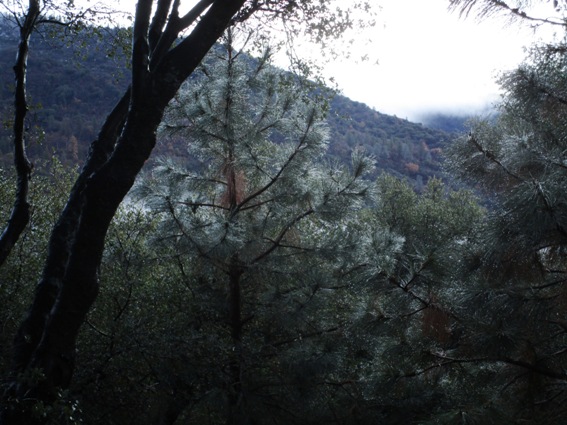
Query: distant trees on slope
{"points": [[264, 284], [277, 296], [73, 87]]}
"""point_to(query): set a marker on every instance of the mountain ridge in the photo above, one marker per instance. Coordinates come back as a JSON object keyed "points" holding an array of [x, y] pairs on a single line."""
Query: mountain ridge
{"points": [[73, 86]]}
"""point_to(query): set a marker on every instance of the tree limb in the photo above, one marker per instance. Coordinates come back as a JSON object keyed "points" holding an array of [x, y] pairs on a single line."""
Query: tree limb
{"points": [[20, 215]]}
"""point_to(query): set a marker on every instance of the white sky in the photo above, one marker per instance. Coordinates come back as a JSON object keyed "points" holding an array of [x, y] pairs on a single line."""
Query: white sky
{"points": [[432, 60]]}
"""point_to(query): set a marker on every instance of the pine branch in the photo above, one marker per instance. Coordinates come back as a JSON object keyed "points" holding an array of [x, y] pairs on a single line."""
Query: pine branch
{"points": [[487, 8], [549, 208], [276, 242], [186, 235], [491, 157], [306, 336], [195, 205], [562, 376], [299, 147]]}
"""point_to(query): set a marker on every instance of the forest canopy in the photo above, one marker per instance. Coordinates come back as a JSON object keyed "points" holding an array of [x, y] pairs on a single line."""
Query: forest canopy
{"points": [[255, 276]]}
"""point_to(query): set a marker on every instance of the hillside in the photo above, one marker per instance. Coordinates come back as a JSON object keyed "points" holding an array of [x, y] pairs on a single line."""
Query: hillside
{"points": [[73, 86], [399, 146]]}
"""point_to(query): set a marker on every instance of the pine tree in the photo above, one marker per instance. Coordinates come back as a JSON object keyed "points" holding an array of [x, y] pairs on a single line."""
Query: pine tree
{"points": [[516, 284], [261, 218]]}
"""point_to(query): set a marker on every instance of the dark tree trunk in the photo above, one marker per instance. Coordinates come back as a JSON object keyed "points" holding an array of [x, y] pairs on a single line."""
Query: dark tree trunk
{"points": [[235, 394], [62, 234], [20, 215], [69, 286]]}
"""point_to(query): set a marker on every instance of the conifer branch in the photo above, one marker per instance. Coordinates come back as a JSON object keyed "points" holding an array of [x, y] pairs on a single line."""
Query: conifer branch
{"points": [[491, 157]]}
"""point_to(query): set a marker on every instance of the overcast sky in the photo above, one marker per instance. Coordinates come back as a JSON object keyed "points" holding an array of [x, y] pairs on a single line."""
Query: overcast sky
{"points": [[429, 60], [432, 60]]}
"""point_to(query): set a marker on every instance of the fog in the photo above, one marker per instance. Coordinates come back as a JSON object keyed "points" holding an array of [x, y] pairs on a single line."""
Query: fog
{"points": [[430, 60]]}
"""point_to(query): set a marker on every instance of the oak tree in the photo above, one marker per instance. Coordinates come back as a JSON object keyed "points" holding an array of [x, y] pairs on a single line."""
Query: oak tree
{"points": [[160, 63]]}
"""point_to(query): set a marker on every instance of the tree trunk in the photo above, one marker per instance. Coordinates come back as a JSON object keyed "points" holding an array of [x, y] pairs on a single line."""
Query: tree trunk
{"points": [[59, 247], [20, 215], [235, 394], [70, 283]]}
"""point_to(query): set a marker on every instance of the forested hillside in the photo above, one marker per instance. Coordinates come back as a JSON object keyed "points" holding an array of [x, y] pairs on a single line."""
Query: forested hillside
{"points": [[74, 84], [250, 280], [449, 123], [400, 147]]}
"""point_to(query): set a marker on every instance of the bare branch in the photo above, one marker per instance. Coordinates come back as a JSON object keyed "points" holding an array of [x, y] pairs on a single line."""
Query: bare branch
{"points": [[158, 22], [140, 48]]}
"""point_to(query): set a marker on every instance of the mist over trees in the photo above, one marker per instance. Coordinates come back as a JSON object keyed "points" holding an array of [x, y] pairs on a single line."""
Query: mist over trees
{"points": [[259, 280]]}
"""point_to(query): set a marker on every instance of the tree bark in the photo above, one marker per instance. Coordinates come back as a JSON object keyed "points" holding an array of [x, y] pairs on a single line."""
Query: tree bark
{"points": [[20, 215], [61, 237], [70, 282], [235, 394]]}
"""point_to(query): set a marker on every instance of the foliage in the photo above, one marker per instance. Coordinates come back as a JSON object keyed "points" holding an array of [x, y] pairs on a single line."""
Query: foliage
{"points": [[254, 221], [519, 159], [517, 11], [69, 284], [450, 123], [412, 304], [394, 142], [264, 283], [73, 87], [346, 336], [518, 279], [50, 184], [45, 343]]}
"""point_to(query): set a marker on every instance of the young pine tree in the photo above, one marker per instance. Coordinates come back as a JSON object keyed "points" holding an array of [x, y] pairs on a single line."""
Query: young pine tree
{"points": [[258, 220]]}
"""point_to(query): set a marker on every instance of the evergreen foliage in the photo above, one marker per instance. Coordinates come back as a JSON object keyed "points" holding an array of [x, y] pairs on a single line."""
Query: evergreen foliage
{"points": [[342, 321], [45, 344], [517, 279], [261, 224], [262, 282]]}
